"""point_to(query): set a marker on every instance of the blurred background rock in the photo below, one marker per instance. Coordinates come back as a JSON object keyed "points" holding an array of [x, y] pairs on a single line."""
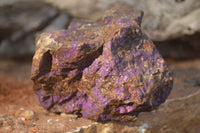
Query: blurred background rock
{"points": [[173, 25], [22, 20]]}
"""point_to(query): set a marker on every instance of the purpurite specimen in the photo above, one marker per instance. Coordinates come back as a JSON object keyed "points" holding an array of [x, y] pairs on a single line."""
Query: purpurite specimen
{"points": [[104, 70]]}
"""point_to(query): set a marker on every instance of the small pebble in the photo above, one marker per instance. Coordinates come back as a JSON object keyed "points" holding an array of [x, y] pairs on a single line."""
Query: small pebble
{"points": [[106, 130], [23, 119], [48, 121], [21, 109], [8, 128], [32, 124], [27, 114], [143, 128], [63, 114]]}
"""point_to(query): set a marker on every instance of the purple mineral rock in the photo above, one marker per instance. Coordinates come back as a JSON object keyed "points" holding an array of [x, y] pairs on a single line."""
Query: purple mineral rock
{"points": [[104, 70]]}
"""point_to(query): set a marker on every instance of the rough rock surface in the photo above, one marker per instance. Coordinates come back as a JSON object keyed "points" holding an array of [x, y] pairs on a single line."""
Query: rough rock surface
{"points": [[22, 20], [164, 19], [108, 70]]}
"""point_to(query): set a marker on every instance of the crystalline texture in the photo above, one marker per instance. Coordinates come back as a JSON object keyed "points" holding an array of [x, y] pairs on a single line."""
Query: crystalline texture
{"points": [[104, 70]]}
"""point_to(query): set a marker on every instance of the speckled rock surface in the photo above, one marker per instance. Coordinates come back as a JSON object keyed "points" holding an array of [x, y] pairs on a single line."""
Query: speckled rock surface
{"points": [[107, 70]]}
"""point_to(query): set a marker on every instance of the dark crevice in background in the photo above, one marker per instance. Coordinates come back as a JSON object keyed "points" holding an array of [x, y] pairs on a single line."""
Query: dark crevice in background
{"points": [[182, 48]]}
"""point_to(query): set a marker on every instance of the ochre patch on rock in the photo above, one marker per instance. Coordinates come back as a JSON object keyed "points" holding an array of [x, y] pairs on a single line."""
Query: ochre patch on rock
{"points": [[104, 70]]}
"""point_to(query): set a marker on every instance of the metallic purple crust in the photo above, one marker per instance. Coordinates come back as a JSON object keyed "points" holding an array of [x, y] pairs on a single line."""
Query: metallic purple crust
{"points": [[105, 70]]}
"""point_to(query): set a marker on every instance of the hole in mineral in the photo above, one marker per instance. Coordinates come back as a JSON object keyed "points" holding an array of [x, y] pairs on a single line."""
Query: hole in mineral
{"points": [[46, 63]]}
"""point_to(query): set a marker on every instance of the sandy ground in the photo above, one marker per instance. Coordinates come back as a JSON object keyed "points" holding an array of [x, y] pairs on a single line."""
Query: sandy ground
{"points": [[21, 112]]}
